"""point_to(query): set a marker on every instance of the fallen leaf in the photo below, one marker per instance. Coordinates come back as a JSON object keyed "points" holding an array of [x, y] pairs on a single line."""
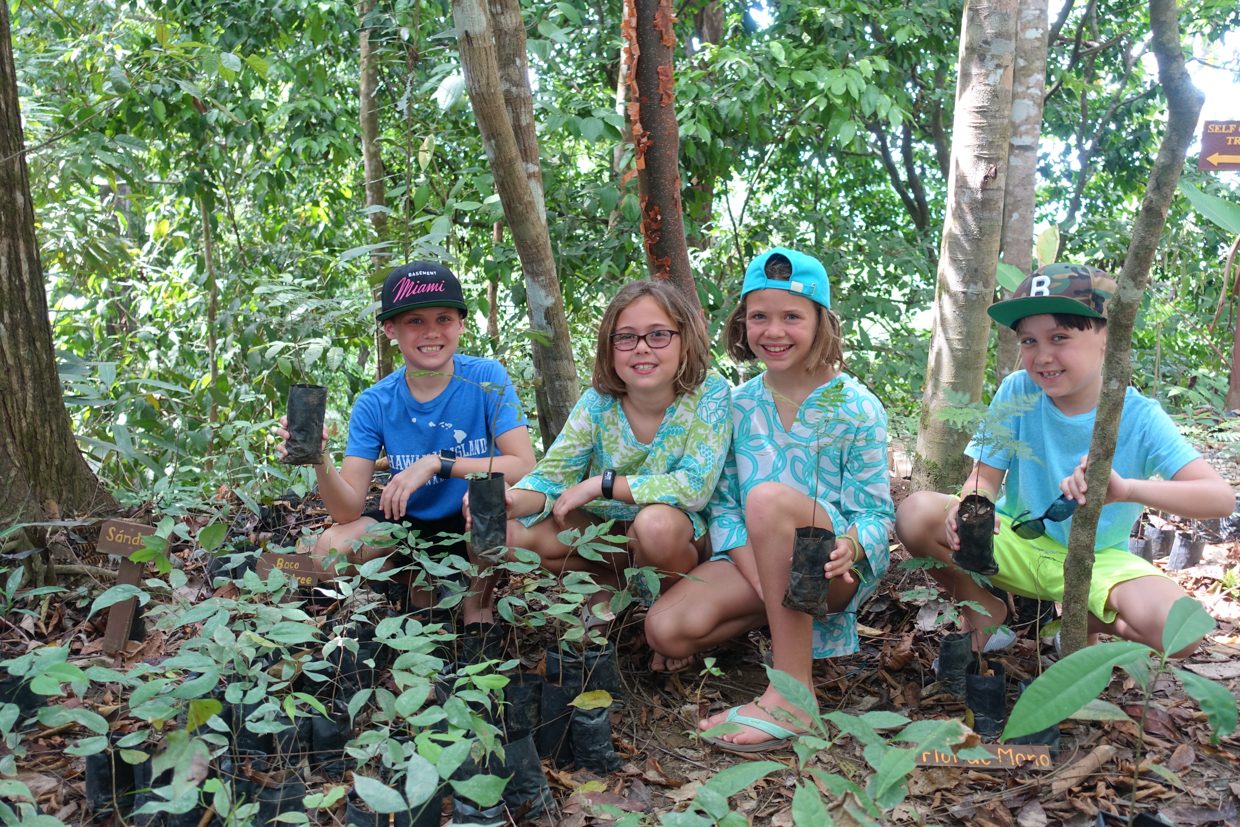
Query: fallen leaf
{"points": [[1031, 815], [932, 779], [654, 775], [898, 656], [1200, 815], [1157, 722], [783, 818], [39, 783], [1181, 758], [1215, 671], [686, 793]]}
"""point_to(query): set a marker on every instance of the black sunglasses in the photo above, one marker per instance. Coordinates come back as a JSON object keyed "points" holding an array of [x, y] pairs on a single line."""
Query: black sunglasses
{"points": [[1060, 510]]}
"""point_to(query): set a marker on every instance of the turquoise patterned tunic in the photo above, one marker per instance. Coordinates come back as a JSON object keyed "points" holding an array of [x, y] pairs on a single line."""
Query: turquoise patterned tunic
{"points": [[679, 467], [846, 426]]}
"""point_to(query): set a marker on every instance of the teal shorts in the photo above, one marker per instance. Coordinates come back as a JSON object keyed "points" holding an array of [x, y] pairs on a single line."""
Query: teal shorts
{"points": [[1034, 568]]}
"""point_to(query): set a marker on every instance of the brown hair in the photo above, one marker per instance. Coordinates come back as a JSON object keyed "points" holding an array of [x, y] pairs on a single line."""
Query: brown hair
{"points": [[827, 348], [1072, 321], [694, 347]]}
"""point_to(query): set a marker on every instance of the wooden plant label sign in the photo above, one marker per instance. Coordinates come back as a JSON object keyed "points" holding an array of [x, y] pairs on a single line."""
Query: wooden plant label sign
{"points": [[1006, 757], [1220, 146], [304, 568], [123, 539]]}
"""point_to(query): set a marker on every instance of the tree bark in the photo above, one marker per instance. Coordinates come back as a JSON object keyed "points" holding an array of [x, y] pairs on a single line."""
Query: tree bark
{"points": [[1184, 102], [42, 472], [1020, 191], [649, 36], [213, 303], [520, 191], [972, 230], [372, 168]]}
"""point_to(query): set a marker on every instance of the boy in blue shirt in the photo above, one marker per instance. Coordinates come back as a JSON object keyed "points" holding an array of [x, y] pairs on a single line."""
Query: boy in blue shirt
{"points": [[434, 419], [1059, 315]]}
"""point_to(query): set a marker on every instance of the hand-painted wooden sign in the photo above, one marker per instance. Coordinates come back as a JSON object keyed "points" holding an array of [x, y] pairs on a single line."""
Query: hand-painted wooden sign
{"points": [[1006, 757], [122, 539], [304, 568], [1220, 146]]}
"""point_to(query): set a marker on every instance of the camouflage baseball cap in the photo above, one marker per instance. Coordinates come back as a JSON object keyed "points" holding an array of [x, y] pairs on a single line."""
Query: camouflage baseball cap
{"points": [[1076, 289]]}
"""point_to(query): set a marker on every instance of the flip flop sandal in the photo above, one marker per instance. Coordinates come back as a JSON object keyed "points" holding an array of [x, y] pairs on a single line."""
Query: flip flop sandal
{"points": [[780, 736]]}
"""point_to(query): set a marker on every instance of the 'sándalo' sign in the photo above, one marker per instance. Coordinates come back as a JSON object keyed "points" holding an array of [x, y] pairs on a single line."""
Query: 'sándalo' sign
{"points": [[1220, 146], [122, 538]]}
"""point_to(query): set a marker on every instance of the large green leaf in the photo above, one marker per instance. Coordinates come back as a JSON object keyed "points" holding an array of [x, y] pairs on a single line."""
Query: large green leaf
{"points": [[808, 807], [378, 796], [1187, 623], [794, 692], [888, 785], [1222, 212], [116, 594], [1009, 277], [483, 790], [1216, 702], [1069, 685], [421, 779], [732, 780]]}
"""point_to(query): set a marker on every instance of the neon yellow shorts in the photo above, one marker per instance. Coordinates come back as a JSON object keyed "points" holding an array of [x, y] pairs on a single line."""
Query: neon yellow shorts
{"points": [[1034, 568]]}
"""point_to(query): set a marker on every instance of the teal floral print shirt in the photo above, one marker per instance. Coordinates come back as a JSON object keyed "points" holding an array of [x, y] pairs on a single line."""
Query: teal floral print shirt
{"points": [[679, 467], [839, 435]]}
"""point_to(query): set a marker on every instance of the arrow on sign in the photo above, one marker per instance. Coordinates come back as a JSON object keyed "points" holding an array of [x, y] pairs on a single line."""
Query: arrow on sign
{"points": [[1217, 159]]}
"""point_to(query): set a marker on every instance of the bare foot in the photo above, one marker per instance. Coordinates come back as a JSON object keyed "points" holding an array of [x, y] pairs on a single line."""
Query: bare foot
{"points": [[770, 700], [659, 663]]}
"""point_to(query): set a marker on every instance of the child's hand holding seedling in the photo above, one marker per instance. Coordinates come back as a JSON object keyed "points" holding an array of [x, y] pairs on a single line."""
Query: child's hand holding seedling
{"points": [[985, 480], [844, 558]]}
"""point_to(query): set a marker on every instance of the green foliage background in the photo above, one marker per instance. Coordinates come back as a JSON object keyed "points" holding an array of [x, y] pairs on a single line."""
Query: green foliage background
{"points": [[134, 110]]}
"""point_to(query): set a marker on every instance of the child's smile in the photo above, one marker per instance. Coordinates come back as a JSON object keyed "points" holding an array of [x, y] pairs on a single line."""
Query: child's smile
{"points": [[1064, 362], [780, 327], [427, 337], [646, 368]]}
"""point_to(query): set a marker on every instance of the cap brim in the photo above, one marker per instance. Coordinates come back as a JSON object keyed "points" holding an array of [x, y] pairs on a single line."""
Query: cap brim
{"points": [[1013, 310], [396, 311]]}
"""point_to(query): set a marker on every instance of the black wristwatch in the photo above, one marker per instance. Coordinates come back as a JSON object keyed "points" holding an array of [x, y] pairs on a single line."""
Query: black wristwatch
{"points": [[447, 458], [609, 481]]}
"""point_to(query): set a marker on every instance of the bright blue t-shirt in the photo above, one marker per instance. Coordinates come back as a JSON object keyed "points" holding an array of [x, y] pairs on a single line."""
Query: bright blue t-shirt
{"points": [[1149, 444], [459, 419]]}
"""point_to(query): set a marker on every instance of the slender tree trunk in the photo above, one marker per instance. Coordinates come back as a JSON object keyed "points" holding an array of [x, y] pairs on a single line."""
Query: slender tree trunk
{"points": [[1019, 197], [42, 472], [372, 167], [1184, 102], [650, 35], [213, 302], [971, 234], [520, 192]]}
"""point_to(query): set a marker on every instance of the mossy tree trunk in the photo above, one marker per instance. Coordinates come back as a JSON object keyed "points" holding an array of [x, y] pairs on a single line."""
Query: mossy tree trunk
{"points": [[503, 107], [1184, 102], [42, 472], [972, 230]]}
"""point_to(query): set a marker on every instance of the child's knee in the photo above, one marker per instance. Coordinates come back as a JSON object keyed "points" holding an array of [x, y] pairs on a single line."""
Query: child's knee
{"points": [[660, 523], [919, 519], [666, 632]]}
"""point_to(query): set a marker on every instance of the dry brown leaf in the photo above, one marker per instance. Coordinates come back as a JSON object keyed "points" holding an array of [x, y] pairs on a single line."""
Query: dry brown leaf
{"points": [[932, 779], [685, 793], [1181, 758], [1157, 721], [783, 818], [654, 775], [898, 656], [1031, 815], [40, 784]]}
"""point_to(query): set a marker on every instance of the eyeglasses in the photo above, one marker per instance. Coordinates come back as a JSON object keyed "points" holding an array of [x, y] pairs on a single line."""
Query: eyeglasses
{"points": [[1060, 510], [657, 339]]}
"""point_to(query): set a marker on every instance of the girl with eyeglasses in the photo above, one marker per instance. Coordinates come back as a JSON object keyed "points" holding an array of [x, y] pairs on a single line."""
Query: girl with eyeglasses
{"points": [[644, 446]]}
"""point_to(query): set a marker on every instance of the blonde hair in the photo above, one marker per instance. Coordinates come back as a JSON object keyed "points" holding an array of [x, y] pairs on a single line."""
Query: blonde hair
{"points": [[694, 347], [828, 345]]}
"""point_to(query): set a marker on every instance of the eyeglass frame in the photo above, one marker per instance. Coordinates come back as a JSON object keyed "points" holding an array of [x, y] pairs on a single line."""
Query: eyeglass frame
{"points": [[641, 337], [1062, 501]]}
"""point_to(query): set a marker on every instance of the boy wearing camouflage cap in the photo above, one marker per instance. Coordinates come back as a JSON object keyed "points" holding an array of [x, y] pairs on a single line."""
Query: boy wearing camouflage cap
{"points": [[1059, 315]]}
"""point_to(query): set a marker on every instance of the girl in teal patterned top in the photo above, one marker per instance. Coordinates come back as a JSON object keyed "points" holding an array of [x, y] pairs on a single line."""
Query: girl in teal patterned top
{"points": [[809, 447], [644, 446]]}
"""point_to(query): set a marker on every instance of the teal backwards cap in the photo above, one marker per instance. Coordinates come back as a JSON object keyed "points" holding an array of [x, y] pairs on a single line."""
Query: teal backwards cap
{"points": [[809, 277]]}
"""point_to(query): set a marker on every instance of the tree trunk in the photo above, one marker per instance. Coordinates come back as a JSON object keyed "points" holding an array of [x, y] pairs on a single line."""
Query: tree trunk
{"points": [[649, 36], [213, 307], [42, 472], [971, 233], [1184, 102], [520, 192], [372, 167], [1019, 197]]}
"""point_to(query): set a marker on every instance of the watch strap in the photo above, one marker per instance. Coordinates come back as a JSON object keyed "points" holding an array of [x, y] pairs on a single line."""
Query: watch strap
{"points": [[446, 460], [609, 482]]}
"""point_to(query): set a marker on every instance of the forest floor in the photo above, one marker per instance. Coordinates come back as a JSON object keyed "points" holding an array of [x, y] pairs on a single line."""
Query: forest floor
{"points": [[665, 765]]}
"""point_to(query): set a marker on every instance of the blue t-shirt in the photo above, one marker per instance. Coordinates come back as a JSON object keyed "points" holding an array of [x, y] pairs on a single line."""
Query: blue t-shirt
{"points": [[459, 419], [1148, 444]]}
